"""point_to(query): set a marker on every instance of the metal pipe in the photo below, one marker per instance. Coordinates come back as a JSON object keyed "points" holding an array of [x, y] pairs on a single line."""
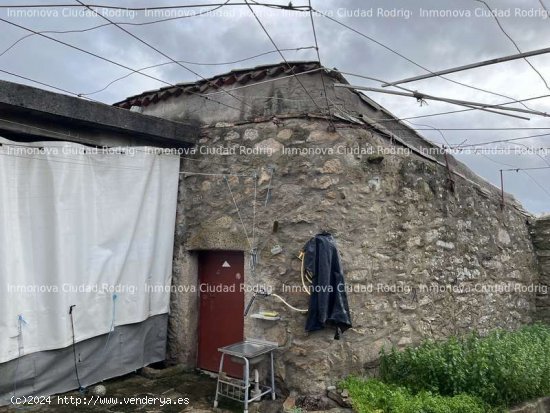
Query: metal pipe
{"points": [[422, 96], [470, 66]]}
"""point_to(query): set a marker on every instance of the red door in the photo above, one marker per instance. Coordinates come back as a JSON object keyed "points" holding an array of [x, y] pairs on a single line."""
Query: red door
{"points": [[221, 307]]}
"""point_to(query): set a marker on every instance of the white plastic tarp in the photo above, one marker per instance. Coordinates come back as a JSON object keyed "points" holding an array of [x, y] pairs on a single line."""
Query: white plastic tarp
{"points": [[94, 230]]}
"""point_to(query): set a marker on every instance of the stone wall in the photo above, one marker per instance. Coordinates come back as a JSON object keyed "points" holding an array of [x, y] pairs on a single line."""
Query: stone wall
{"points": [[399, 228], [541, 240]]}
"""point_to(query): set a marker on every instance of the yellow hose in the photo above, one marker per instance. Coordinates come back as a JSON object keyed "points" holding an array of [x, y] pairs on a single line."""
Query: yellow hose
{"points": [[288, 305], [302, 256]]}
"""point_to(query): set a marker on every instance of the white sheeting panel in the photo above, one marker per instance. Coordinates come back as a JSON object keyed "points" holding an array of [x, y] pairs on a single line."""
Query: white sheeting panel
{"points": [[92, 230]]}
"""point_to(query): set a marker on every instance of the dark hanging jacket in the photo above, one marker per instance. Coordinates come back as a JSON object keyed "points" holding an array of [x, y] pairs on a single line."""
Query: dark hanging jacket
{"points": [[328, 302]]}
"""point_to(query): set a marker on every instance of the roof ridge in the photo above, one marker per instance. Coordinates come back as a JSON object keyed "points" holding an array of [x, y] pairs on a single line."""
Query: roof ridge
{"points": [[241, 76]]}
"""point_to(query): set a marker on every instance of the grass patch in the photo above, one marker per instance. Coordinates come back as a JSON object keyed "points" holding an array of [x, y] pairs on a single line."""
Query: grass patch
{"points": [[374, 396], [502, 369]]}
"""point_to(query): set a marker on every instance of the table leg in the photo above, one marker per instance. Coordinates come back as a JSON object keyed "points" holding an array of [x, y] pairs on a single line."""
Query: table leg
{"points": [[272, 378], [218, 382], [246, 383]]}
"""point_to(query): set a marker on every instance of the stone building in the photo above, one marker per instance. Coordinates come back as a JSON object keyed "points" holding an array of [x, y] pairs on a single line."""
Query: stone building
{"points": [[427, 247]]}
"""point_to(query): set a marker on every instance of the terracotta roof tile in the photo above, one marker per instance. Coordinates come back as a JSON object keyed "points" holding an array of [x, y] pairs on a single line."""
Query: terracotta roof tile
{"points": [[240, 76]]}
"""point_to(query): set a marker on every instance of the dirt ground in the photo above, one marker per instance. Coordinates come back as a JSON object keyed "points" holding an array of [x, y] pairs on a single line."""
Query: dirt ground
{"points": [[150, 391]]}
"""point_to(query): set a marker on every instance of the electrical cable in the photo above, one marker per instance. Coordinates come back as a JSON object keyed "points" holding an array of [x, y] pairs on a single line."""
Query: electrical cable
{"points": [[513, 42], [50, 86], [111, 61], [109, 24], [238, 211], [524, 170], [269, 80], [192, 63], [528, 169], [281, 54], [412, 61], [173, 7], [537, 183], [319, 59], [505, 140], [434, 128], [139, 39]]}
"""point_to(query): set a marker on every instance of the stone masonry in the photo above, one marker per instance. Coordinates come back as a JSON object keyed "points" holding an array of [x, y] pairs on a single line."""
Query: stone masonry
{"points": [[426, 247], [541, 240], [416, 255]]}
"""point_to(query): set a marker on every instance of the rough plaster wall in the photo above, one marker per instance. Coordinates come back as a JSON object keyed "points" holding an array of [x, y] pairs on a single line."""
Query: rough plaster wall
{"points": [[541, 239], [264, 99], [183, 320], [395, 222]]}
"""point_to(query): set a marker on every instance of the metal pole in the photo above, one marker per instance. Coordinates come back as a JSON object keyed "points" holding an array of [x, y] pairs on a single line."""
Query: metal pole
{"points": [[470, 66], [422, 96]]}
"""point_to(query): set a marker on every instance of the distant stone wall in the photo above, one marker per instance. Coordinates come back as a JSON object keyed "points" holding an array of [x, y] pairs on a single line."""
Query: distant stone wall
{"points": [[541, 239], [421, 261]]}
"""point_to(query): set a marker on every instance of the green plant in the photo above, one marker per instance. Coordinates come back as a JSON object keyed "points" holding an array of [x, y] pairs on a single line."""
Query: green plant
{"points": [[502, 368], [374, 396], [295, 410]]}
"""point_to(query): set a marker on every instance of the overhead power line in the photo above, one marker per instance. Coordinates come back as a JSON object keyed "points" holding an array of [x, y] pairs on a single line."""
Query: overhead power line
{"points": [[195, 63], [470, 66], [319, 57], [122, 24], [516, 170], [38, 82], [544, 6], [513, 42], [505, 140], [181, 6], [111, 61], [528, 169], [281, 54], [139, 39], [412, 61]]}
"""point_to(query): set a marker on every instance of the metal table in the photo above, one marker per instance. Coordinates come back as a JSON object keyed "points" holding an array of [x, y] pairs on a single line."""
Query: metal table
{"points": [[249, 352]]}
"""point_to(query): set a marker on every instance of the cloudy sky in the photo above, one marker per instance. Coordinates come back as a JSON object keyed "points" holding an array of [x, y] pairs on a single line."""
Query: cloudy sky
{"points": [[436, 34]]}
